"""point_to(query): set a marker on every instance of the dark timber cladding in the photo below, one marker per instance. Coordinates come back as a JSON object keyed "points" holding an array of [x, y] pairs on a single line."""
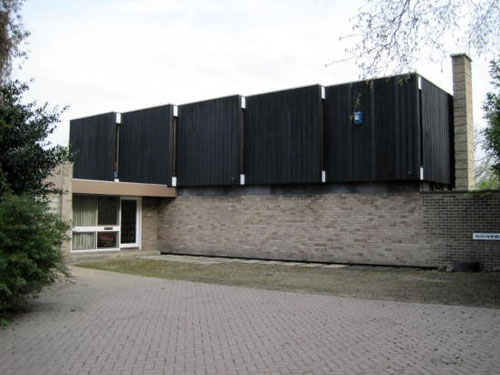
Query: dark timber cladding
{"points": [[145, 145], [385, 146], [209, 142], [437, 114], [283, 137], [93, 139]]}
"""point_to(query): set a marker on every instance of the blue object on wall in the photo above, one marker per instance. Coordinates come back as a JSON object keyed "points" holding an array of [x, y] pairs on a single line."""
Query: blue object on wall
{"points": [[358, 118]]}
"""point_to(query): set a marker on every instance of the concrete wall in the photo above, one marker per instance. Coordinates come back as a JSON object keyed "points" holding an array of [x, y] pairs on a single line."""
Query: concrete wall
{"points": [[412, 229]]}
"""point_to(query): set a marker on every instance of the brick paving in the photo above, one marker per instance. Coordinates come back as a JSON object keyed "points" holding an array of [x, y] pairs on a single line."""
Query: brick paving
{"points": [[107, 323]]}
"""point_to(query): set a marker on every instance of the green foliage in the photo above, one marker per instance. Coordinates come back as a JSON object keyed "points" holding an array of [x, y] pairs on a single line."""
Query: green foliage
{"points": [[25, 158], [491, 109], [491, 182], [30, 243]]}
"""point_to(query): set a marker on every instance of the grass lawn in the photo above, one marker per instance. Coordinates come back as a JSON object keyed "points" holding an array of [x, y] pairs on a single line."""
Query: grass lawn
{"points": [[396, 284]]}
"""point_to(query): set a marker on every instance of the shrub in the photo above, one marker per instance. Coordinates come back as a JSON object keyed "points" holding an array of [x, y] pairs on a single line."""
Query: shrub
{"points": [[30, 249]]}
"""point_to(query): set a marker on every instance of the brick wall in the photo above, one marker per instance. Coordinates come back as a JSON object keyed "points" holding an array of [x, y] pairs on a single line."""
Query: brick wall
{"points": [[61, 204], [150, 223], [413, 229], [451, 218], [463, 123]]}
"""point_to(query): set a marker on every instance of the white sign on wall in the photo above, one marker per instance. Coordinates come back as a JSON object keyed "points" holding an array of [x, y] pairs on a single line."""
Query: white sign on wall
{"points": [[486, 236]]}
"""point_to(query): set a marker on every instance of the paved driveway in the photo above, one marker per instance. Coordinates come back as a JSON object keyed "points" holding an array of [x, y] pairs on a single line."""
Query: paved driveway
{"points": [[106, 323]]}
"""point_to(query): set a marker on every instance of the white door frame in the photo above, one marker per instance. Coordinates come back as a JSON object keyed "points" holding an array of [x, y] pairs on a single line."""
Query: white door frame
{"points": [[138, 223]]}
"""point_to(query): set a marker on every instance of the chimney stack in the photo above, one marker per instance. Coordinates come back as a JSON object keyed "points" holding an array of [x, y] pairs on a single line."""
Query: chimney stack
{"points": [[463, 127]]}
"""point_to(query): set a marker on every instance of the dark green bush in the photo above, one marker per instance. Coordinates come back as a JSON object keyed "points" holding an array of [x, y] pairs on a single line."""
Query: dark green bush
{"points": [[30, 249]]}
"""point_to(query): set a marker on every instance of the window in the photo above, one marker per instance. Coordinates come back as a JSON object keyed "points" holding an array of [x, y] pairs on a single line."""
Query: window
{"points": [[84, 210], [83, 241], [95, 222], [106, 240], [107, 210], [106, 222]]}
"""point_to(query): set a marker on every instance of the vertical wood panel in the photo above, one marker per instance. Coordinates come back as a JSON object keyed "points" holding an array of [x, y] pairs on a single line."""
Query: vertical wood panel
{"points": [[93, 139], [209, 142], [145, 145], [436, 127], [397, 128], [385, 146], [283, 135]]}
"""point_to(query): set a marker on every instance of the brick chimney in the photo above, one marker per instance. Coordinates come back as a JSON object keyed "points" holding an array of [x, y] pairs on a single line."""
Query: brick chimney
{"points": [[462, 122]]}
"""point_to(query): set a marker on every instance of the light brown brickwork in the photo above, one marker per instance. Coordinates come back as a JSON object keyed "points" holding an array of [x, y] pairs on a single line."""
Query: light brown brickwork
{"points": [[450, 219], [413, 229], [463, 122], [345, 228], [67, 202], [61, 204], [150, 223]]}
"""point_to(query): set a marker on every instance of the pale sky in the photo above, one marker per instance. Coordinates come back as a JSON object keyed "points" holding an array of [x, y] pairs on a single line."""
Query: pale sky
{"points": [[99, 56]]}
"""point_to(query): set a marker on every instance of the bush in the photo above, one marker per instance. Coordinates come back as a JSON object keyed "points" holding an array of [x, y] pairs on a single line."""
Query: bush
{"points": [[30, 249]]}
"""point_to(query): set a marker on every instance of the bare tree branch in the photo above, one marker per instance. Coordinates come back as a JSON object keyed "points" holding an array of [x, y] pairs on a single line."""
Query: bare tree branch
{"points": [[12, 33], [390, 35]]}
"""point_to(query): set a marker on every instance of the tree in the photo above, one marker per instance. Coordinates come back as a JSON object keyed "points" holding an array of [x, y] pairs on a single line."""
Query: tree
{"points": [[30, 236], [30, 256], [12, 33], [485, 178], [491, 108], [390, 35], [26, 159], [489, 182]]}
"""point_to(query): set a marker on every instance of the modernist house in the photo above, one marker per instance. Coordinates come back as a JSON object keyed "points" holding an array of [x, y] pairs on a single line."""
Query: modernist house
{"points": [[295, 174]]}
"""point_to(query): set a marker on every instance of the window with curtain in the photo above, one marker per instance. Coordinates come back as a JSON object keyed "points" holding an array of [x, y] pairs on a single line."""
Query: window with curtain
{"points": [[94, 211], [84, 210], [84, 241]]}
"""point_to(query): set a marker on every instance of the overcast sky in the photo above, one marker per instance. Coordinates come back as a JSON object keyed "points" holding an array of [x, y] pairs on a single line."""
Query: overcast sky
{"points": [[99, 56]]}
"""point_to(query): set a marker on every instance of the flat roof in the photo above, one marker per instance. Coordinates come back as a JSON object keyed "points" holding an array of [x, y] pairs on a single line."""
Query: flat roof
{"points": [[81, 186]]}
